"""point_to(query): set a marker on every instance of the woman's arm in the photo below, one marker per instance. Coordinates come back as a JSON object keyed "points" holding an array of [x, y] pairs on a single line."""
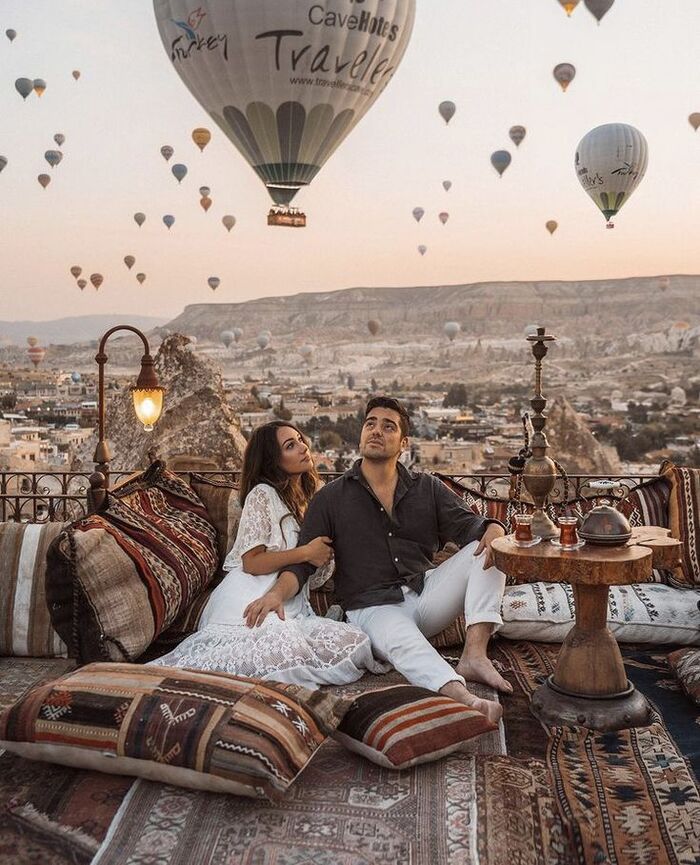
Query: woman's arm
{"points": [[286, 587], [259, 561]]}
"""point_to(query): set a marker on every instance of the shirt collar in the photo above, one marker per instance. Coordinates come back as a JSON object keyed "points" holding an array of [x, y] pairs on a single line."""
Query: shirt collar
{"points": [[406, 477]]}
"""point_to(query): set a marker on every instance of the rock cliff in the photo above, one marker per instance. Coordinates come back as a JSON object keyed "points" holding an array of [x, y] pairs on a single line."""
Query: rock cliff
{"points": [[573, 445]]}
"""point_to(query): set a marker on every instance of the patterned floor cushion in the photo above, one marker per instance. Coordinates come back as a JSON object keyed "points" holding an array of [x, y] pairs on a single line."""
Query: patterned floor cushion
{"points": [[220, 497], [684, 521], [206, 731], [685, 663], [25, 623]]}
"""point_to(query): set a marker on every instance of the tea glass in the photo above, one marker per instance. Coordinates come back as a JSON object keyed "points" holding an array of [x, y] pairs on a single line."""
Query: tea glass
{"points": [[568, 537], [523, 527]]}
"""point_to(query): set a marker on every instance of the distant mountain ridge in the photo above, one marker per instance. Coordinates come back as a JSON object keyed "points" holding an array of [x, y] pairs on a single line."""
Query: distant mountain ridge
{"points": [[75, 328]]}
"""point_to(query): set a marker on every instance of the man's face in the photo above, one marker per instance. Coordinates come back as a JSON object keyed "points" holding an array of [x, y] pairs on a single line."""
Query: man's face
{"points": [[381, 437]]}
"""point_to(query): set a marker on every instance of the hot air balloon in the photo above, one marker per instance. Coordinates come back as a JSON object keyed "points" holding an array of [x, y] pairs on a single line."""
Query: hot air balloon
{"points": [[76, 270], [59, 138], [3, 162], [129, 261], [82, 283], [166, 151], [443, 217], [169, 220], [228, 338], [53, 157], [201, 137], [36, 354], [569, 5], [141, 277], [530, 330], [32, 341], [39, 86], [213, 282], [11, 34], [263, 340], [694, 120], [422, 249], [307, 351], [24, 86], [76, 74], [264, 93], [598, 8], [551, 225], [664, 283], [517, 134], [237, 333], [96, 279], [139, 219], [447, 185], [75, 377], [610, 163], [44, 180], [564, 74], [418, 213], [204, 191], [373, 326], [179, 171], [451, 329], [228, 221], [447, 110], [500, 160], [205, 203]]}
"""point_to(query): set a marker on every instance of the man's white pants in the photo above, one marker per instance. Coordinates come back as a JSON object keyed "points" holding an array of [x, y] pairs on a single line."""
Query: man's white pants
{"points": [[399, 632]]}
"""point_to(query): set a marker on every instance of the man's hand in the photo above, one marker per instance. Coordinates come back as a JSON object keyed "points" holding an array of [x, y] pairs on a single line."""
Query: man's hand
{"points": [[256, 612], [493, 530]]}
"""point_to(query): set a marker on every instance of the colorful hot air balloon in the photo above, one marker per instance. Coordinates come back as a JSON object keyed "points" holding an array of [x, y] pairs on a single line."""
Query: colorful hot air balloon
{"points": [[205, 202], [141, 277], [76, 74], [32, 341], [59, 138], [610, 163], [213, 282], [447, 185], [500, 160], [227, 337], [11, 34], [263, 340], [418, 213], [564, 74], [39, 86], [82, 283], [24, 86], [694, 120], [44, 180], [228, 221], [422, 249], [3, 162], [373, 326], [569, 5], [443, 217], [139, 219], [201, 137], [599, 8], [76, 270], [451, 329], [166, 151], [551, 225], [447, 110], [517, 134], [36, 354], [264, 93], [179, 171], [96, 279], [129, 261], [204, 191], [53, 157], [169, 220]]}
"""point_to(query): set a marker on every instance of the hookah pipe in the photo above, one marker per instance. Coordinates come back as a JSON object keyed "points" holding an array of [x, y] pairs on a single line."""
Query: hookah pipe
{"points": [[517, 464]]}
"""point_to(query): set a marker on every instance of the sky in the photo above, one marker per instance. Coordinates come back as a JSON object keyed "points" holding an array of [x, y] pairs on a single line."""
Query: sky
{"points": [[493, 59]]}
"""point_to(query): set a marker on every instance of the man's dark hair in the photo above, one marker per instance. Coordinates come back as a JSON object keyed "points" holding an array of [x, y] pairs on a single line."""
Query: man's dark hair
{"points": [[393, 404]]}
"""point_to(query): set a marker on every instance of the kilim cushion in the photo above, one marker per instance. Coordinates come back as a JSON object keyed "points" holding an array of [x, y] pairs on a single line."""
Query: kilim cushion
{"points": [[647, 505], [684, 521], [119, 578], [220, 497], [403, 726], [25, 623], [206, 731], [685, 663]]}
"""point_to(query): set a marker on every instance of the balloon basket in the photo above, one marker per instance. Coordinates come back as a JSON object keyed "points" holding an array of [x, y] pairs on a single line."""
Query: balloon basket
{"points": [[610, 225], [289, 218]]}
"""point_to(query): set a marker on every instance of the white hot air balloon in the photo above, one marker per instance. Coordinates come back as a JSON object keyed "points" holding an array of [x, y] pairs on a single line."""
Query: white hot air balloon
{"points": [[610, 163], [284, 85], [451, 329], [227, 337]]}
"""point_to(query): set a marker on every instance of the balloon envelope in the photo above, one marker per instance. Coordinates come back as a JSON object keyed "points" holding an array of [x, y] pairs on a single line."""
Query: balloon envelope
{"points": [[564, 74], [451, 329], [141, 277], [201, 137], [306, 351], [59, 138], [32, 341], [418, 213], [204, 191], [213, 282], [205, 202], [76, 271], [569, 5], [44, 180], [373, 326], [139, 219], [53, 157], [599, 8], [259, 76], [694, 120], [129, 261], [447, 185], [517, 134], [228, 338], [36, 354], [263, 340], [75, 377], [443, 217], [3, 162], [551, 225], [166, 151], [96, 279], [422, 249], [180, 171], [24, 86], [169, 220], [447, 110], [39, 86], [11, 34], [237, 333], [228, 221], [82, 283], [76, 74], [500, 160], [610, 162]]}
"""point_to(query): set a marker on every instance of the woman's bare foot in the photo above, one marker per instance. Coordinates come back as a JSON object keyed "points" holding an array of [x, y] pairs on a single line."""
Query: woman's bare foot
{"points": [[457, 691], [481, 669]]}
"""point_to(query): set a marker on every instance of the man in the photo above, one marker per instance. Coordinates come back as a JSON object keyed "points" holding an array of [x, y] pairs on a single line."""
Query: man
{"points": [[386, 523]]}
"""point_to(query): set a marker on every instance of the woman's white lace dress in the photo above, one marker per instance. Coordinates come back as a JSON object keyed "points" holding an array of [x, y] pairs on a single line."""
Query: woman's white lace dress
{"points": [[302, 649]]}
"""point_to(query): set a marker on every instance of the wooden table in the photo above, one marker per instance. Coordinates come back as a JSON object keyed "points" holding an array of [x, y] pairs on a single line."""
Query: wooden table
{"points": [[589, 686]]}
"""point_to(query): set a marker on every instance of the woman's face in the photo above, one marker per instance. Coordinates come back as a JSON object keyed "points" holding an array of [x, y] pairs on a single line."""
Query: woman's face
{"points": [[295, 458]]}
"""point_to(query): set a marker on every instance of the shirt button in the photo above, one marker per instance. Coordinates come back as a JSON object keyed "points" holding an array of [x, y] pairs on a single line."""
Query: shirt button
{"points": [[381, 509], [396, 560], [390, 535]]}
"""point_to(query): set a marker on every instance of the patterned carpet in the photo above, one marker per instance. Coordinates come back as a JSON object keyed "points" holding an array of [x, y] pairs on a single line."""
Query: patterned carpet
{"points": [[520, 796]]}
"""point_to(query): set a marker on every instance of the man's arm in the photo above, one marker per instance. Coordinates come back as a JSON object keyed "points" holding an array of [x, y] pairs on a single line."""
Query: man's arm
{"points": [[317, 523], [456, 521]]}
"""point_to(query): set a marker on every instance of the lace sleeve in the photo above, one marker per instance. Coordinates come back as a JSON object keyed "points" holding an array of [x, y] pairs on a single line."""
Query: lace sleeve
{"points": [[255, 528]]}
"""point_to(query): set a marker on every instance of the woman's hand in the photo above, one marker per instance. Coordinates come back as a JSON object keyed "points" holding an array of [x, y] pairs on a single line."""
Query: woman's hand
{"points": [[319, 551], [256, 612]]}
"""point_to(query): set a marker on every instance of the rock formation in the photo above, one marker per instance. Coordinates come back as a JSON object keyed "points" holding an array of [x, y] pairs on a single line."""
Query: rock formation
{"points": [[573, 445]]}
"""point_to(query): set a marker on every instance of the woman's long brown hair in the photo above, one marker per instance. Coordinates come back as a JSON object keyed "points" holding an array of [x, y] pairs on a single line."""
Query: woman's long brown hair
{"points": [[261, 465]]}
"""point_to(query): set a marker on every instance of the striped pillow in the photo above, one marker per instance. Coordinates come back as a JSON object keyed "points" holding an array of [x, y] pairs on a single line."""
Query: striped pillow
{"points": [[684, 521], [647, 505], [403, 726], [25, 623], [205, 731], [220, 498]]}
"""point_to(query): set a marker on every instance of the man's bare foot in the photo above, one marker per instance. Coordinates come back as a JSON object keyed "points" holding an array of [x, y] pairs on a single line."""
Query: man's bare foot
{"points": [[457, 691], [481, 669]]}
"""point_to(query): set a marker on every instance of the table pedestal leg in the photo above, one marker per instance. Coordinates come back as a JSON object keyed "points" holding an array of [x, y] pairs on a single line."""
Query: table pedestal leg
{"points": [[589, 687]]}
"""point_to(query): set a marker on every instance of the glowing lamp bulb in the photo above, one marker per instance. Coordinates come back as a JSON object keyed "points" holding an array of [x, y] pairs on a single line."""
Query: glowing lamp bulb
{"points": [[148, 405]]}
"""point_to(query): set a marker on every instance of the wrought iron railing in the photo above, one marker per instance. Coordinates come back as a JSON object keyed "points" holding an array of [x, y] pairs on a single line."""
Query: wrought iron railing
{"points": [[38, 497]]}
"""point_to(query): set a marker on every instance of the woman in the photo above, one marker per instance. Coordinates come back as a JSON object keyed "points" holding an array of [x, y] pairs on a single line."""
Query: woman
{"points": [[290, 643]]}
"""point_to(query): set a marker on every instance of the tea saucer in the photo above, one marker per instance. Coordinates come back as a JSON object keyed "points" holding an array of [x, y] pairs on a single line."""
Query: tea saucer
{"points": [[524, 544], [566, 548]]}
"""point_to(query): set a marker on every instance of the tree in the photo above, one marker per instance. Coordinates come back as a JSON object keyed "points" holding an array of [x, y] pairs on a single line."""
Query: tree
{"points": [[351, 382], [329, 439], [374, 386], [455, 396]]}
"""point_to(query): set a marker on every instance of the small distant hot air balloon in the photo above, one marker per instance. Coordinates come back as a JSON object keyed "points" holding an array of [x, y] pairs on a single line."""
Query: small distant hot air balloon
{"points": [[204, 191], [76, 270], [205, 203], [201, 137], [451, 329], [32, 341], [447, 185], [418, 213], [11, 34], [500, 160], [443, 217], [373, 326], [599, 8], [517, 134], [447, 110], [694, 120], [564, 74], [169, 220], [44, 180], [664, 283], [24, 86], [530, 330], [307, 351], [139, 219], [96, 279], [422, 249], [75, 377], [179, 171], [39, 86], [36, 354], [213, 282], [76, 74], [82, 283], [141, 277], [263, 340], [166, 151], [129, 261], [237, 333], [551, 225], [228, 221], [59, 138], [3, 162], [227, 337], [53, 157], [610, 163], [569, 5]]}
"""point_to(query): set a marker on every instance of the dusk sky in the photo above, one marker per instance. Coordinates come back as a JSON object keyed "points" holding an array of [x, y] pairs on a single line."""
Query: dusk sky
{"points": [[494, 59]]}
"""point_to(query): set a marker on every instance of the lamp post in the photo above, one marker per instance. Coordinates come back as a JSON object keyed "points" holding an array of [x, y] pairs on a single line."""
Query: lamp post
{"points": [[147, 395]]}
